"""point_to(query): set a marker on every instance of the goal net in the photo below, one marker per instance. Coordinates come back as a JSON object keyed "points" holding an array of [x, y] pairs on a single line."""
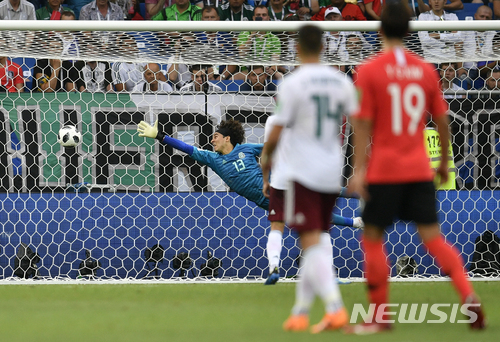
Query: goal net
{"points": [[122, 207]]}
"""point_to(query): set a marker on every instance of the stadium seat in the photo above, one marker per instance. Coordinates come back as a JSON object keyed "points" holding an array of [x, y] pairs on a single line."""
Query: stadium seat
{"points": [[142, 7], [229, 85], [27, 64], [468, 11]]}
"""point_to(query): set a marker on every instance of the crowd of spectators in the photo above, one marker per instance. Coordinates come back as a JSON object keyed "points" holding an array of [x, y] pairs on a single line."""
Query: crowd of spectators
{"points": [[343, 47]]}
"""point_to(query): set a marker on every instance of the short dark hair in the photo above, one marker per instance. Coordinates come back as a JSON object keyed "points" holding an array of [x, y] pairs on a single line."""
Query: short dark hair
{"points": [[208, 8], [260, 6], [395, 19], [68, 14], [310, 39], [233, 129]]}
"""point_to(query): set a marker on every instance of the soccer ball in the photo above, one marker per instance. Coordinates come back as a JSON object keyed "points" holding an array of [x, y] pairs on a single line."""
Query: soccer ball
{"points": [[69, 136]]}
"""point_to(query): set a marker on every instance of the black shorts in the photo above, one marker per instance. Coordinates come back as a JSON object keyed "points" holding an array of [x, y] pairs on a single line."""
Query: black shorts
{"points": [[408, 201]]}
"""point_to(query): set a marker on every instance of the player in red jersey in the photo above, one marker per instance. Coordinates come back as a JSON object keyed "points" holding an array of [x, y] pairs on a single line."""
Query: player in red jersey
{"points": [[397, 89]]}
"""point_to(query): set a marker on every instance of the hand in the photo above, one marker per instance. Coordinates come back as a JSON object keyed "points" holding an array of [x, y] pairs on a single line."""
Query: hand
{"points": [[442, 171], [146, 130], [55, 64], [303, 10], [357, 185], [266, 189], [435, 35]]}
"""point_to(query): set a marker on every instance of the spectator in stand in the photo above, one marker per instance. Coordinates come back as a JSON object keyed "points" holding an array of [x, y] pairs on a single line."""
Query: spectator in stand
{"points": [[101, 10], [70, 48], [155, 6], [447, 71], [349, 11], [263, 45], [77, 5], [222, 42], [453, 5], [182, 10], [209, 42], [11, 76], [344, 45], [235, 10], [492, 83], [134, 11], [305, 9], [477, 43], [125, 5], [277, 10], [93, 77], [152, 82], [17, 10], [200, 75], [258, 80], [127, 75], [373, 9], [439, 46], [52, 75], [334, 41], [52, 10]]}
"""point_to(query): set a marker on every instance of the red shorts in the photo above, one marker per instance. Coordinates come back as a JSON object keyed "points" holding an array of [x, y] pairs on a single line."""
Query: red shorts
{"points": [[276, 205], [307, 210]]}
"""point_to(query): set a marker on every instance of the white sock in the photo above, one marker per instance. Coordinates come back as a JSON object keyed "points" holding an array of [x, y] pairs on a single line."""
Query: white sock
{"points": [[326, 242], [304, 290], [273, 248], [320, 273]]}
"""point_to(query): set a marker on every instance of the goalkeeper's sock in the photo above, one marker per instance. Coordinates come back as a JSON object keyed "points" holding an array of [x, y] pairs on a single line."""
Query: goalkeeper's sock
{"points": [[451, 263], [321, 276], [376, 271], [326, 242], [342, 221], [273, 248]]}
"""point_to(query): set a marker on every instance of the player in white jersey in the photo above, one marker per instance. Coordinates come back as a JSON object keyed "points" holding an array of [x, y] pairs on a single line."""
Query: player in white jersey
{"points": [[311, 104], [274, 188]]}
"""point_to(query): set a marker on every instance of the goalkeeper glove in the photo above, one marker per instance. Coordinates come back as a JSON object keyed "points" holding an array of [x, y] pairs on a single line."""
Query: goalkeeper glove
{"points": [[148, 131]]}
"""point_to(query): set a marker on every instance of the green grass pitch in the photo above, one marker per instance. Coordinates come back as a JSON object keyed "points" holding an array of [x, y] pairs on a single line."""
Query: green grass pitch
{"points": [[212, 312]]}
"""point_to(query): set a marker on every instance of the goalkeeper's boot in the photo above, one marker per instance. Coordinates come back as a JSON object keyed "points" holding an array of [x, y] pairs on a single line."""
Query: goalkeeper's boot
{"points": [[331, 321], [367, 328], [296, 323], [357, 222], [480, 322], [273, 277]]}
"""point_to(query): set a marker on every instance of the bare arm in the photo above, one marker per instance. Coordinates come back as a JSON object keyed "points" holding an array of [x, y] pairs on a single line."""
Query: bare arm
{"points": [[267, 155], [153, 9], [454, 5], [370, 11], [444, 136], [496, 8], [422, 6]]}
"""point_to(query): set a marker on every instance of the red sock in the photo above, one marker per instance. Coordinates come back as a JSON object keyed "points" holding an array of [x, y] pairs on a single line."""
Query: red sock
{"points": [[451, 263], [376, 271]]}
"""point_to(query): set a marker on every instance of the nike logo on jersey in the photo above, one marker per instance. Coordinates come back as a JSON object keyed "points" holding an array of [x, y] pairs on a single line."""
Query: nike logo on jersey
{"points": [[272, 212]]}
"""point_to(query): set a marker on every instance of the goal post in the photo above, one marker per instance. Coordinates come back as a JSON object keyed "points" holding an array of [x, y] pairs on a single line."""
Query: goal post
{"points": [[126, 207]]}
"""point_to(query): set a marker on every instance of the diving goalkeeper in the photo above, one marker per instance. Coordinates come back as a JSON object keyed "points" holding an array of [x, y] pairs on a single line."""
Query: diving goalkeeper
{"points": [[237, 165], [232, 160]]}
